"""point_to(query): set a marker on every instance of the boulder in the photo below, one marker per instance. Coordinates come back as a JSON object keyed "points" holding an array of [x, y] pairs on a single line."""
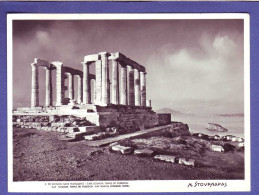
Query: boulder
{"points": [[89, 129], [72, 129], [217, 148], [227, 137], [189, 162], [237, 139], [91, 137], [241, 145], [121, 149], [113, 144], [96, 136], [143, 152], [67, 137], [166, 158]]}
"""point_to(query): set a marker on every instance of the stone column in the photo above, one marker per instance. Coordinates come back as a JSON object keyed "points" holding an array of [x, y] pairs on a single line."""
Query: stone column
{"points": [[86, 84], [115, 83], [130, 78], [94, 91], [143, 88], [148, 103], [48, 101], [70, 85], [137, 87], [79, 89], [34, 86], [123, 86], [98, 81], [105, 78], [59, 83]]}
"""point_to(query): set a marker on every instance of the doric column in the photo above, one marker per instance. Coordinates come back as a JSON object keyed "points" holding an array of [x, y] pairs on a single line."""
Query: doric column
{"points": [[48, 101], [59, 83], [70, 85], [115, 82], [98, 81], [143, 88], [86, 84], [79, 89], [94, 92], [123, 86], [137, 87], [148, 103], [105, 78], [130, 78], [34, 85]]}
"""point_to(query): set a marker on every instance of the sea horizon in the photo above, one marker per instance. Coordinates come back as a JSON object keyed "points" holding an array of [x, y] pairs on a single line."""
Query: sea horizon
{"points": [[198, 123]]}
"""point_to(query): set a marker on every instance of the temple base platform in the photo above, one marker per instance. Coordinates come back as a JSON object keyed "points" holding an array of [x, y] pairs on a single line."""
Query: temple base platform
{"points": [[101, 116]]}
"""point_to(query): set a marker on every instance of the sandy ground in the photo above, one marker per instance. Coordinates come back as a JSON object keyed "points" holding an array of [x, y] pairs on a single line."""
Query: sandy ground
{"points": [[40, 156]]}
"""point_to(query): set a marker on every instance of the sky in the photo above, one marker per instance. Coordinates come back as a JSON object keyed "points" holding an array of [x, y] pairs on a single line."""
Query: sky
{"points": [[193, 66]]}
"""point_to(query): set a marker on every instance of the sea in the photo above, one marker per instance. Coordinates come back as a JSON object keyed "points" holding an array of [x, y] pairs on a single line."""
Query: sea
{"points": [[199, 123]]}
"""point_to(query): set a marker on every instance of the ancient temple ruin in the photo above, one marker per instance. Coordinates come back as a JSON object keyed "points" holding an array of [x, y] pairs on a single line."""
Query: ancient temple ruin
{"points": [[118, 98]]}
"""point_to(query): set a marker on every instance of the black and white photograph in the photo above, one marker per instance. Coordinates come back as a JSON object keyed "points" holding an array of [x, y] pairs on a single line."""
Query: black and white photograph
{"points": [[116, 102]]}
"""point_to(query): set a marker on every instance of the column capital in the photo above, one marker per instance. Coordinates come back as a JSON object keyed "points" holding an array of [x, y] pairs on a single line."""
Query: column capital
{"points": [[68, 73], [129, 66], [34, 65], [57, 64], [86, 63], [46, 68], [104, 54]]}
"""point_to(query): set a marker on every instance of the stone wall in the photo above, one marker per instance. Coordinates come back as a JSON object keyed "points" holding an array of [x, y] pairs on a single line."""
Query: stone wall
{"points": [[122, 116], [127, 117], [164, 119]]}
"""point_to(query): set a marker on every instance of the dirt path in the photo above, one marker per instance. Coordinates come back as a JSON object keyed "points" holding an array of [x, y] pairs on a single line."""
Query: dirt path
{"points": [[40, 156]]}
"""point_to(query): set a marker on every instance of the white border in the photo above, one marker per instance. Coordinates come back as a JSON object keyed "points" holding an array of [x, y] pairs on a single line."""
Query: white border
{"points": [[137, 185]]}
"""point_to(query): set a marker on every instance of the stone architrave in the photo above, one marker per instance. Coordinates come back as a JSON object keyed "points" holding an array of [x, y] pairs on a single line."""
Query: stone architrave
{"points": [[98, 81], [60, 87], [48, 101], [143, 88], [70, 85], [115, 83], [86, 84], [130, 77], [137, 87], [105, 78], [35, 86], [79, 89], [123, 86]]}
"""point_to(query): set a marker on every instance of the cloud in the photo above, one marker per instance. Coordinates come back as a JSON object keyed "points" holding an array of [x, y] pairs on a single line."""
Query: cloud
{"points": [[197, 76], [224, 46], [43, 38]]}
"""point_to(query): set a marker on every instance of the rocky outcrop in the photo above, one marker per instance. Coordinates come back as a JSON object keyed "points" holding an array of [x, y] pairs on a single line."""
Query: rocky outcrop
{"points": [[179, 129], [216, 127]]}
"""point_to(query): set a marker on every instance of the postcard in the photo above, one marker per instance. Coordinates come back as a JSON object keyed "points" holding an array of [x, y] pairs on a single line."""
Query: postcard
{"points": [[128, 102]]}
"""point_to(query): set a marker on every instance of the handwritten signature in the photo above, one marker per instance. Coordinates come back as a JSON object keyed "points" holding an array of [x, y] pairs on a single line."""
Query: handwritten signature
{"points": [[207, 184]]}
